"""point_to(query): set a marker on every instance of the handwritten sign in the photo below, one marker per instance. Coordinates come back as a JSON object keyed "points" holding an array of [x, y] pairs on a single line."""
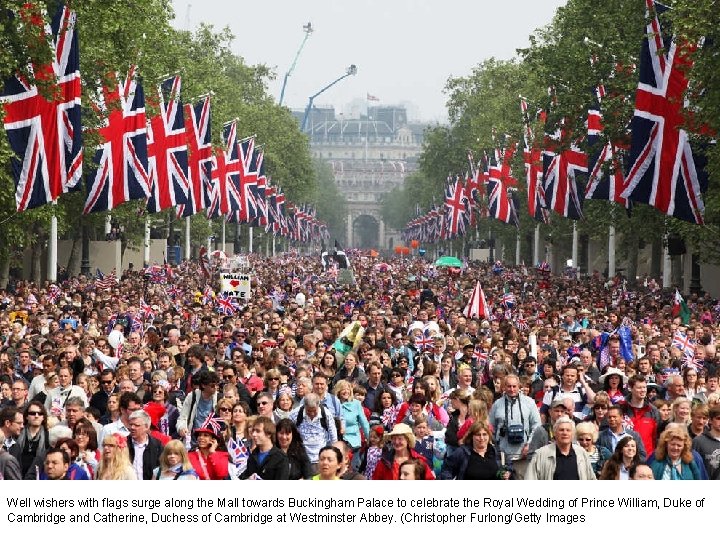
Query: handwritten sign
{"points": [[235, 285]]}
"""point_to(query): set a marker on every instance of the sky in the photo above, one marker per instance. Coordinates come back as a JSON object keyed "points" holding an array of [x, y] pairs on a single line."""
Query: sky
{"points": [[404, 50]]}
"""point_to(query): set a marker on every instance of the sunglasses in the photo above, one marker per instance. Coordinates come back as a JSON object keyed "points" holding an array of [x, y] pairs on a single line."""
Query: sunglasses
{"points": [[224, 409], [107, 382], [35, 413], [263, 403], [274, 379]]}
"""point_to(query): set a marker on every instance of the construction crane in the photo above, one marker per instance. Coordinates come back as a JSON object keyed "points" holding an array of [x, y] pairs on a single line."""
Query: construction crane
{"points": [[350, 70], [308, 29]]}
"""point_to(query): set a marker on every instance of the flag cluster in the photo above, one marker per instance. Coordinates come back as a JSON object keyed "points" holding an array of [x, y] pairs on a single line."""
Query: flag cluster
{"points": [[564, 168], [167, 160]]}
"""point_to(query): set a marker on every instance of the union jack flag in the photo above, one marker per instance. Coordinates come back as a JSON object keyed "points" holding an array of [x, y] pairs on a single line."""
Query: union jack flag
{"points": [[147, 311], [156, 274], [207, 296], [200, 155], [685, 344], [105, 281], [167, 150], [53, 293], [239, 454], [606, 180], [508, 299], [173, 291], [456, 204], [213, 423], [45, 132], [226, 166], [663, 172], [246, 182], [226, 305], [533, 171], [424, 341], [258, 201], [501, 204], [561, 169], [389, 416], [521, 324], [122, 160]]}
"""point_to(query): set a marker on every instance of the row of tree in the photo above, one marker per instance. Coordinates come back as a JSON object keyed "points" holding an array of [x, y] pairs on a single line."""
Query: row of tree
{"points": [[486, 101], [114, 35]]}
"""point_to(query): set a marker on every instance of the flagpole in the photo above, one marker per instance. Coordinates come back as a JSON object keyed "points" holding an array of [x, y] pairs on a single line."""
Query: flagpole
{"points": [[52, 248], [667, 269], [250, 240], [187, 238], [273, 245], [517, 250], [222, 237], [118, 257], [146, 247], [536, 254], [575, 245], [611, 252]]}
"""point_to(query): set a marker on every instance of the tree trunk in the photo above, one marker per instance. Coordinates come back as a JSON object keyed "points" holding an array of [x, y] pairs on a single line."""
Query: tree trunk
{"points": [[37, 251], [657, 259], [73, 265], [4, 272]]}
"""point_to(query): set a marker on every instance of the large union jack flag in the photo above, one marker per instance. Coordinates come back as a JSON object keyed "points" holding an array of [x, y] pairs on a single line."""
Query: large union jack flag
{"points": [[44, 131], [121, 158], [167, 150], [200, 154], [258, 200], [662, 171], [501, 205]]}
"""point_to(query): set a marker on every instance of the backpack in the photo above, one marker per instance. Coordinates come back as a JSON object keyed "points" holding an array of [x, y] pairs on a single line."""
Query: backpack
{"points": [[323, 417]]}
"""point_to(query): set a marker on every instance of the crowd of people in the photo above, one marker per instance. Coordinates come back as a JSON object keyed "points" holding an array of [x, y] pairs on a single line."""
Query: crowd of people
{"points": [[382, 376]]}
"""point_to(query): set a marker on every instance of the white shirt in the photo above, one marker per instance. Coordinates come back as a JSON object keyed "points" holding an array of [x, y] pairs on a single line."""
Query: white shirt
{"points": [[138, 458]]}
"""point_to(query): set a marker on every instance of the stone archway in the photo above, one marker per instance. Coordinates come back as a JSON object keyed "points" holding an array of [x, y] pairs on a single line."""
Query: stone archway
{"points": [[366, 232]]}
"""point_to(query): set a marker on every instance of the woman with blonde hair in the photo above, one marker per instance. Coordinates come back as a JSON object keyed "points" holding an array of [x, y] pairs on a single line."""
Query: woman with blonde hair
{"points": [[115, 463], [174, 463], [586, 434], [673, 458], [681, 409], [272, 382], [355, 425]]}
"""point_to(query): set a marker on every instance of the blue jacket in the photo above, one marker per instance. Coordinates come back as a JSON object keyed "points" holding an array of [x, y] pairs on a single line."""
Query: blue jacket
{"points": [[695, 470], [354, 417]]}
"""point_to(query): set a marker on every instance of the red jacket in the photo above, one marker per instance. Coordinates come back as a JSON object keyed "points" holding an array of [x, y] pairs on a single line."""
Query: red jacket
{"points": [[388, 469], [214, 467], [645, 421]]}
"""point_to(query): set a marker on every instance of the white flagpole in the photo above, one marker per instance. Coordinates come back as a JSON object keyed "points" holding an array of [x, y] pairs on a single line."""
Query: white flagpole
{"points": [[517, 250], [536, 253], [250, 240], [667, 267], [187, 238], [222, 237], [146, 247], [52, 248], [575, 246]]}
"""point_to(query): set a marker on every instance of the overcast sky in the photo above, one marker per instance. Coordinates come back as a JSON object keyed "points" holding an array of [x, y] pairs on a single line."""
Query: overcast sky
{"points": [[404, 50]]}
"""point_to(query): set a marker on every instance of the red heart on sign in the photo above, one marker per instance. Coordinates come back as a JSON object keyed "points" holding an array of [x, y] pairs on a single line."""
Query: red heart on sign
{"points": [[234, 283]]}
